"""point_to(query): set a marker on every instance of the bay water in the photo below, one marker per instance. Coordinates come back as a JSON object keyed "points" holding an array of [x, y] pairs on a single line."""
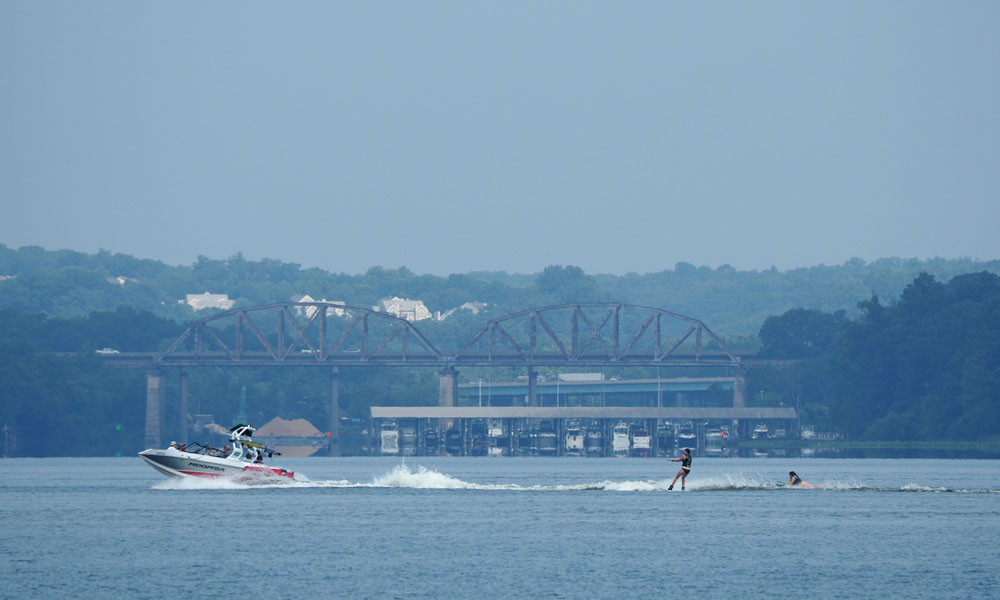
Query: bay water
{"points": [[504, 528]]}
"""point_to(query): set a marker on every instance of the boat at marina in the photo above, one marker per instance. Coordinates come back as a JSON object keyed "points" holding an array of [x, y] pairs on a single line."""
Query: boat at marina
{"points": [[574, 439], [244, 458], [432, 442], [641, 442], [620, 439], [389, 438], [408, 439], [498, 441], [547, 442], [454, 441], [526, 445], [408, 434], [593, 443], [686, 436], [714, 442]]}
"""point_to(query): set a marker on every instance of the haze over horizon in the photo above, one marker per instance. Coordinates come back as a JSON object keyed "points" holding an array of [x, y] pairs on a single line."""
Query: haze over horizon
{"points": [[458, 137], [508, 271]]}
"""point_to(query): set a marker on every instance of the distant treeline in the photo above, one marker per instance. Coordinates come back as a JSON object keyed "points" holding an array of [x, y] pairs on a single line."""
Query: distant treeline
{"points": [[734, 304]]}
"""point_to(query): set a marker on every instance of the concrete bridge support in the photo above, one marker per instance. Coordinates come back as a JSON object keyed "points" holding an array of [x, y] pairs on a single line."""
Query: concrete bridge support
{"points": [[740, 388], [739, 392], [532, 387], [533, 396], [447, 393], [333, 439], [182, 425], [654, 447], [155, 409]]}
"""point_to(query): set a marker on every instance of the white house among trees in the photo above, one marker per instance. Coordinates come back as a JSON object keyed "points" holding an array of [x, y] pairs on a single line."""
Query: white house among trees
{"points": [[206, 300], [411, 310], [309, 311]]}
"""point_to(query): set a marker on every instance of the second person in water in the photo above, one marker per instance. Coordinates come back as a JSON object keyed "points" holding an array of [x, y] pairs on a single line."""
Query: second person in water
{"points": [[794, 479]]}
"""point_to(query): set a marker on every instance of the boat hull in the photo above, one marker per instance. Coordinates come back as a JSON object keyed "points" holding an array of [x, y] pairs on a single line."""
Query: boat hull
{"points": [[174, 463]]}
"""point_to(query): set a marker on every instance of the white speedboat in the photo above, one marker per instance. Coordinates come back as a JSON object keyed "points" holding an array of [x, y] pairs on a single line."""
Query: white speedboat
{"points": [[244, 458]]}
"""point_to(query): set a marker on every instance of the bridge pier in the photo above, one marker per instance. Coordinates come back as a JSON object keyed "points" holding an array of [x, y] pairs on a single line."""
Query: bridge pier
{"points": [[533, 396], [740, 388], [532, 387], [651, 427], [155, 409], [182, 425], [447, 393], [739, 392], [333, 439]]}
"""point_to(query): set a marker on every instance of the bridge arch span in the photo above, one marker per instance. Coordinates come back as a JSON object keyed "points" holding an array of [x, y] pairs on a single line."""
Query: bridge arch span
{"points": [[323, 333], [609, 332], [306, 327]]}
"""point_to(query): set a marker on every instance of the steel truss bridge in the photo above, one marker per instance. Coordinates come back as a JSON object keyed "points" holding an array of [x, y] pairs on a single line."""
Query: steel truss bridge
{"points": [[321, 334], [324, 334]]}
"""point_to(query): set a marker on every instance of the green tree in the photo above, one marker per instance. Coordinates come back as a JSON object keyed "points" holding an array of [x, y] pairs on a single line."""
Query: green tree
{"points": [[800, 333]]}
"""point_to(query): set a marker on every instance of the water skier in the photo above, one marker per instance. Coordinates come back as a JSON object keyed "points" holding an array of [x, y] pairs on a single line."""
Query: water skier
{"points": [[685, 468]]}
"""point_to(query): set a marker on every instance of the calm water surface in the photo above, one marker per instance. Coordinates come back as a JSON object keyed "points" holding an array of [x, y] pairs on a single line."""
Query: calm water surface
{"points": [[504, 528]]}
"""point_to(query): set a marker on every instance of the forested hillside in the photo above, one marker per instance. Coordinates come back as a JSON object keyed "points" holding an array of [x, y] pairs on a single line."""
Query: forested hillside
{"points": [[733, 303], [926, 367]]}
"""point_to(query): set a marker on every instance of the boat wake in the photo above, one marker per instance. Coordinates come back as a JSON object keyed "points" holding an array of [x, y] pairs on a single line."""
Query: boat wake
{"points": [[240, 481], [757, 482], [402, 476], [733, 482]]}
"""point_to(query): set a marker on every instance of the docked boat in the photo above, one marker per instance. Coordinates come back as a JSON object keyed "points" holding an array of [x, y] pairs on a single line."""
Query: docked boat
{"points": [[242, 458], [547, 443], [574, 440], [389, 438], [619, 439], [593, 443], [497, 440], [641, 442], [526, 442], [408, 439], [408, 434], [686, 436], [547, 440], [432, 442], [454, 442], [714, 442]]}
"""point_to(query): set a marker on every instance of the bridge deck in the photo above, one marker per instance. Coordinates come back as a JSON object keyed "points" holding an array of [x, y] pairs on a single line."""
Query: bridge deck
{"points": [[609, 386], [585, 412]]}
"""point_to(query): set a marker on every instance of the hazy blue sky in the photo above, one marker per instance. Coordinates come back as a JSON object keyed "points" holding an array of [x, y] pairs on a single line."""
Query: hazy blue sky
{"points": [[459, 136]]}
